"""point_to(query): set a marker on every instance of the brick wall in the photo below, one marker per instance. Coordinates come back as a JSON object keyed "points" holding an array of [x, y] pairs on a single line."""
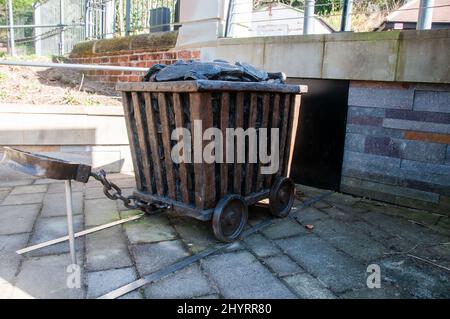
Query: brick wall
{"points": [[143, 50], [133, 58], [397, 144]]}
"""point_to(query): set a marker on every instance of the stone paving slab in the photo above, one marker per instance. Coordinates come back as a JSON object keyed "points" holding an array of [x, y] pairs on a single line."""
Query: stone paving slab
{"points": [[48, 228], [309, 215], [151, 257], [402, 228], [149, 229], [59, 187], [9, 259], [284, 260], [13, 182], [18, 218], [107, 249], [338, 271], [100, 211], [102, 282], [261, 246], [29, 189], [308, 287], [55, 204], [286, 227], [46, 277], [241, 275], [3, 194], [420, 279], [186, 283], [358, 245], [196, 235], [282, 265], [386, 291], [23, 199]]}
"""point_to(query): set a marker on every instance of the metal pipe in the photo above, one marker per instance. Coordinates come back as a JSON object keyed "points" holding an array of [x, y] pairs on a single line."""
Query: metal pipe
{"points": [[68, 188], [11, 29], [227, 25], [346, 21], [61, 27], [74, 66], [308, 16], [425, 19], [23, 26], [86, 19], [128, 17]]}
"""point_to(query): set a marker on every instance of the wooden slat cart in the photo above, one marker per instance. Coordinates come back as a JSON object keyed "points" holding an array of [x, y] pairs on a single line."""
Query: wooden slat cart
{"points": [[205, 191]]}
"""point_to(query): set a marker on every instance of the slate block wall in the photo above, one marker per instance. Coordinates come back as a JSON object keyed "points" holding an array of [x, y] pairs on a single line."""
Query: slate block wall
{"points": [[397, 144]]}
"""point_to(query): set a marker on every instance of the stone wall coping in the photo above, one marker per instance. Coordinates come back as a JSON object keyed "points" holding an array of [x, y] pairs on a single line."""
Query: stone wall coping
{"points": [[394, 56], [158, 41]]}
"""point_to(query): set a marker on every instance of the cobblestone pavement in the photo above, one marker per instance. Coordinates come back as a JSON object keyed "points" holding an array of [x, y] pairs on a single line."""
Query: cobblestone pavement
{"points": [[322, 250]]}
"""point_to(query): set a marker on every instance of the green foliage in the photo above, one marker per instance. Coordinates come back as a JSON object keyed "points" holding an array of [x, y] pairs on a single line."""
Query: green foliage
{"points": [[19, 5]]}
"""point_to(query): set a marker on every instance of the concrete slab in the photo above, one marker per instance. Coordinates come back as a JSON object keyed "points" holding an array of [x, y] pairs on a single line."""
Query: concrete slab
{"points": [[9, 259], [48, 228], [46, 277], [152, 257], [23, 199], [338, 271], [286, 227], [100, 211], [3, 194], [58, 187], [29, 189], [358, 245], [309, 215], [55, 204], [241, 275], [107, 249], [102, 282], [186, 283], [420, 279], [149, 229], [18, 218], [197, 235], [282, 265], [308, 287], [261, 246]]}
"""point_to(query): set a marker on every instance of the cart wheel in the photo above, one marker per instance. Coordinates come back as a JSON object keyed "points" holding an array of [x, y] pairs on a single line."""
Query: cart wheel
{"points": [[230, 217], [281, 197]]}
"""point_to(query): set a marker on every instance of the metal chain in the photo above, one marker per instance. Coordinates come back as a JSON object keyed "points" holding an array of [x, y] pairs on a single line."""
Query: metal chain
{"points": [[114, 192]]}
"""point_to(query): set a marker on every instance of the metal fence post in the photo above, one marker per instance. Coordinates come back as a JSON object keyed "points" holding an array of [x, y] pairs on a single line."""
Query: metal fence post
{"points": [[12, 46], [425, 19], [346, 21], [308, 16], [61, 27], [127, 17]]}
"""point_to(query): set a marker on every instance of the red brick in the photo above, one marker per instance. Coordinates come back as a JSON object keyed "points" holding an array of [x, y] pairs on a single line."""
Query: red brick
{"points": [[134, 57], [196, 55], [428, 137], [134, 78], [169, 55], [184, 55], [124, 58]]}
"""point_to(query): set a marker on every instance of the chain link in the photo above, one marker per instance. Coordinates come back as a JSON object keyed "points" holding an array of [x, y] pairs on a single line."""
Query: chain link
{"points": [[114, 192]]}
